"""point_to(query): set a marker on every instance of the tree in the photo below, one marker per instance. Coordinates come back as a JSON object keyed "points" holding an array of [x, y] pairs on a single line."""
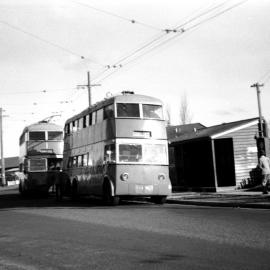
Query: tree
{"points": [[184, 113]]}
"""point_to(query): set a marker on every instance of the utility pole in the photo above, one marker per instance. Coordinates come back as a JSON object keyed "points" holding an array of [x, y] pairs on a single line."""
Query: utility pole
{"points": [[257, 86], [3, 175], [89, 86]]}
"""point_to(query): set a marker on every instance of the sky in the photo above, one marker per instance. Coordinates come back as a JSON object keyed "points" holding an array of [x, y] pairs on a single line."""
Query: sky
{"points": [[211, 54]]}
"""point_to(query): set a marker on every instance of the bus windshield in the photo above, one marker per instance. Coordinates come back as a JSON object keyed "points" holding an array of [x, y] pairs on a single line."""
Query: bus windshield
{"points": [[128, 110], [152, 111], [143, 153]]}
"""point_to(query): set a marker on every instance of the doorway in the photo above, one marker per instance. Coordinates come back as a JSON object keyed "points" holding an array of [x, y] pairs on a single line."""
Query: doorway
{"points": [[225, 168]]}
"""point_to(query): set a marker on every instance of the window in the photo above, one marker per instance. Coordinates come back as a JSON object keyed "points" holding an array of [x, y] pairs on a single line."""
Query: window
{"points": [[152, 111], [84, 121], [130, 152], [154, 153], [75, 163], [90, 160], [94, 118], [99, 115], [85, 159], [74, 127], [109, 153], [80, 123], [90, 119], [80, 159], [128, 110], [55, 135], [108, 112], [37, 165], [37, 135]]}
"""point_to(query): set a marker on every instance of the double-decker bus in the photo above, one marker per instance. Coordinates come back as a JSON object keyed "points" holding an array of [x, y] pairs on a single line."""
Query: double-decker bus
{"points": [[41, 155], [116, 149]]}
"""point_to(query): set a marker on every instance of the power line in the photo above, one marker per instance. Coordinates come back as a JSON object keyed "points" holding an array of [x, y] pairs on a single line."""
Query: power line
{"points": [[133, 21], [182, 30], [47, 42], [188, 29], [34, 92]]}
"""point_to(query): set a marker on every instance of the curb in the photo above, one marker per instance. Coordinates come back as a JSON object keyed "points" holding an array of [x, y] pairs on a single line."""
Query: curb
{"points": [[220, 204]]}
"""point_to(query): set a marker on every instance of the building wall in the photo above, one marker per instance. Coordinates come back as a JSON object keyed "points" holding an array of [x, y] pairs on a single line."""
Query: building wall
{"points": [[245, 153]]}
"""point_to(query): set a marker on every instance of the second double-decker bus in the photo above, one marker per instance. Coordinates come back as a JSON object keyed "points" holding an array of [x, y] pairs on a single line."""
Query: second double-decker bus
{"points": [[116, 149], [41, 155]]}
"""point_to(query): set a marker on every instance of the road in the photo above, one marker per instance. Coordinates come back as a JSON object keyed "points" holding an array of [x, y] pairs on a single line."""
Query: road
{"points": [[42, 234]]}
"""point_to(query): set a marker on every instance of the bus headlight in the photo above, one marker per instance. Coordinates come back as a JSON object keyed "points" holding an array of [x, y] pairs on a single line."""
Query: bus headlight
{"points": [[124, 176], [161, 177]]}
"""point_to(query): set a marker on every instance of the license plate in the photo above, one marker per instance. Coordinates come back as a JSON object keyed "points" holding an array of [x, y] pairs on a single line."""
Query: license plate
{"points": [[144, 189]]}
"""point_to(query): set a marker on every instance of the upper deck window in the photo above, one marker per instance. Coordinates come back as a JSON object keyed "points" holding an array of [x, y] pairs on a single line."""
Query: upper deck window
{"points": [[128, 110], [55, 135], [152, 111], [94, 118], [37, 136]]}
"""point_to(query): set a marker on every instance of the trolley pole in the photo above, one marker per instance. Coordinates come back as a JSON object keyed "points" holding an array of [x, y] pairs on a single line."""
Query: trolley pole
{"points": [[89, 87], [257, 86], [3, 174]]}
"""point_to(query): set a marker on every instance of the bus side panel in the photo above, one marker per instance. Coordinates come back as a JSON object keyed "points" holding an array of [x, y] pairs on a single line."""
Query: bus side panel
{"points": [[125, 128], [145, 180]]}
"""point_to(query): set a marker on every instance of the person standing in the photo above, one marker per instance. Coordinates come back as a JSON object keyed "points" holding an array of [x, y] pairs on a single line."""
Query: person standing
{"points": [[264, 164]]}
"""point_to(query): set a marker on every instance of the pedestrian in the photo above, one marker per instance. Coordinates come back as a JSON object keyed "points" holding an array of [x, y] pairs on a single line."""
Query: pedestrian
{"points": [[264, 164]]}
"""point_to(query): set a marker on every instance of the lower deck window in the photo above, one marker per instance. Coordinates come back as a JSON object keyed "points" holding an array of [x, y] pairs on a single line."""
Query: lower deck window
{"points": [[36, 165], [143, 153], [130, 152]]}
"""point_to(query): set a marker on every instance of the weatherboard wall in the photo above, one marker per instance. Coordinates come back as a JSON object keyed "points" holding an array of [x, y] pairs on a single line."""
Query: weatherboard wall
{"points": [[245, 152]]}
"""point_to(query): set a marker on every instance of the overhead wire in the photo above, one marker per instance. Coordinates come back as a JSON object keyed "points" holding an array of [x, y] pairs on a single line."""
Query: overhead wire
{"points": [[117, 64], [133, 21], [182, 30], [190, 28], [34, 92], [178, 30], [48, 42]]}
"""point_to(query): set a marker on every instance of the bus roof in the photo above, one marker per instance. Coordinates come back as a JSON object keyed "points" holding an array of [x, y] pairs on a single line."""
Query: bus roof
{"points": [[43, 126], [124, 98]]}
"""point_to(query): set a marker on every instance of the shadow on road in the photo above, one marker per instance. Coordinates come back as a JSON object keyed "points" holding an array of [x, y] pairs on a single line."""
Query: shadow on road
{"points": [[12, 199]]}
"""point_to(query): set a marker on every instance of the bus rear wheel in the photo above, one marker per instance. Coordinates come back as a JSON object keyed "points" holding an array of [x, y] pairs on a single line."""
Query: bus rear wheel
{"points": [[158, 199], [107, 195]]}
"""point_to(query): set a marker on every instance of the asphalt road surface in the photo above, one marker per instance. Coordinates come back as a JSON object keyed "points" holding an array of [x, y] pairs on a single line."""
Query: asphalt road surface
{"points": [[42, 234]]}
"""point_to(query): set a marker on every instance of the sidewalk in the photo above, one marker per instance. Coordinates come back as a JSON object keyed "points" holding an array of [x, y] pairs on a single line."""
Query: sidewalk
{"points": [[235, 198]]}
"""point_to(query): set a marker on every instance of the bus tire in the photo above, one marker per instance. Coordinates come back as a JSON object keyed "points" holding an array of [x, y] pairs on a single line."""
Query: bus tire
{"points": [[74, 190], [159, 199], [108, 198]]}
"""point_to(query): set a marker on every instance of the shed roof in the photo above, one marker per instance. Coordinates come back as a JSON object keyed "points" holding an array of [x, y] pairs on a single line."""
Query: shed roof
{"points": [[179, 130], [11, 162], [215, 131]]}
